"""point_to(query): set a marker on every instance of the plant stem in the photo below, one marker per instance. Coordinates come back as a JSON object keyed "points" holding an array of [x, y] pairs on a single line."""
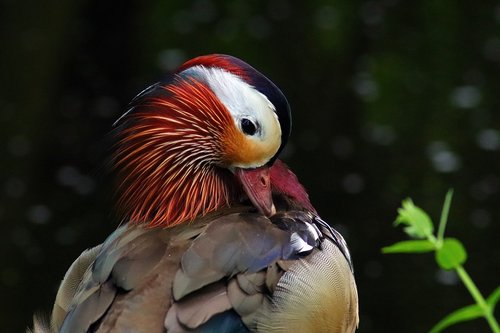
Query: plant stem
{"points": [[444, 216], [476, 294]]}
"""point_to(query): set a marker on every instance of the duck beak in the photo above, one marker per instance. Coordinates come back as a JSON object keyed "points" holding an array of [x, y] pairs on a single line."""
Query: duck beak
{"points": [[257, 185]]}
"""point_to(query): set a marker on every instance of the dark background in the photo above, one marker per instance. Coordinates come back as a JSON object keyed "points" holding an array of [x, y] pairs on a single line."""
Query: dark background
{"points": [[390, 99]]}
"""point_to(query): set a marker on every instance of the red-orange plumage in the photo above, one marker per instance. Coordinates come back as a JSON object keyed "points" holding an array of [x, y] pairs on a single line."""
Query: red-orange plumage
{"points": [[168, 156], [230, 64], [285, 182]]}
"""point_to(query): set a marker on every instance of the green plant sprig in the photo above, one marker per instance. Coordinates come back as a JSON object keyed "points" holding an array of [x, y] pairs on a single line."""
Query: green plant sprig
{"points": [[450, 254]]}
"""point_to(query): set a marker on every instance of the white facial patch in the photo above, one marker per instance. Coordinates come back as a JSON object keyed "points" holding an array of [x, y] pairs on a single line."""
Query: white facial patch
{"points": [[243, 102]]}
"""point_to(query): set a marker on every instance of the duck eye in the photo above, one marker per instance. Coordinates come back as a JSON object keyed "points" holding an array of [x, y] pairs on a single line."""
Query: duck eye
{"points": [[248, 127]]}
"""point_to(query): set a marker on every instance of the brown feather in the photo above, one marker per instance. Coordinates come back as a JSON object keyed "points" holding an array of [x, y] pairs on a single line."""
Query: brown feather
{"points": [[197, 309], [132, 282]]}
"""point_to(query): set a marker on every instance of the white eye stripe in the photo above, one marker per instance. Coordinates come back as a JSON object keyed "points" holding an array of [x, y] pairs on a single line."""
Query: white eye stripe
{"points": [[241, 99]]}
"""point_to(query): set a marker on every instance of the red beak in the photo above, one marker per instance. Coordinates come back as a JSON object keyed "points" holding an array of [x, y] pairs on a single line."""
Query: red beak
{"points": [[257, 185]]}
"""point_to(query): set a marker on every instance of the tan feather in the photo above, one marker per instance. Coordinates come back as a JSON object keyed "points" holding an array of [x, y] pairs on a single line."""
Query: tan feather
{"points": [[69, 285], [40, 325], [317, 294]]}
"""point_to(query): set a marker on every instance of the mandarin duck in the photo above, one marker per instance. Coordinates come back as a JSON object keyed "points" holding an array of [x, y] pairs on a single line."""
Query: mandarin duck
{"points": [[218, 234]]}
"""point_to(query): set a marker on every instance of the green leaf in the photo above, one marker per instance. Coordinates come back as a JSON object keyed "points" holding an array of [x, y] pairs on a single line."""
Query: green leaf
{"points": [[418, 223], [451, 254], [493, 299], [411, 246], [464, 314]]}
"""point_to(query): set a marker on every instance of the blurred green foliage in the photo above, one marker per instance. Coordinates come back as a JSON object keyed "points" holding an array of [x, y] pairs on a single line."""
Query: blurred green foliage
{"points": [[390, 99]]}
